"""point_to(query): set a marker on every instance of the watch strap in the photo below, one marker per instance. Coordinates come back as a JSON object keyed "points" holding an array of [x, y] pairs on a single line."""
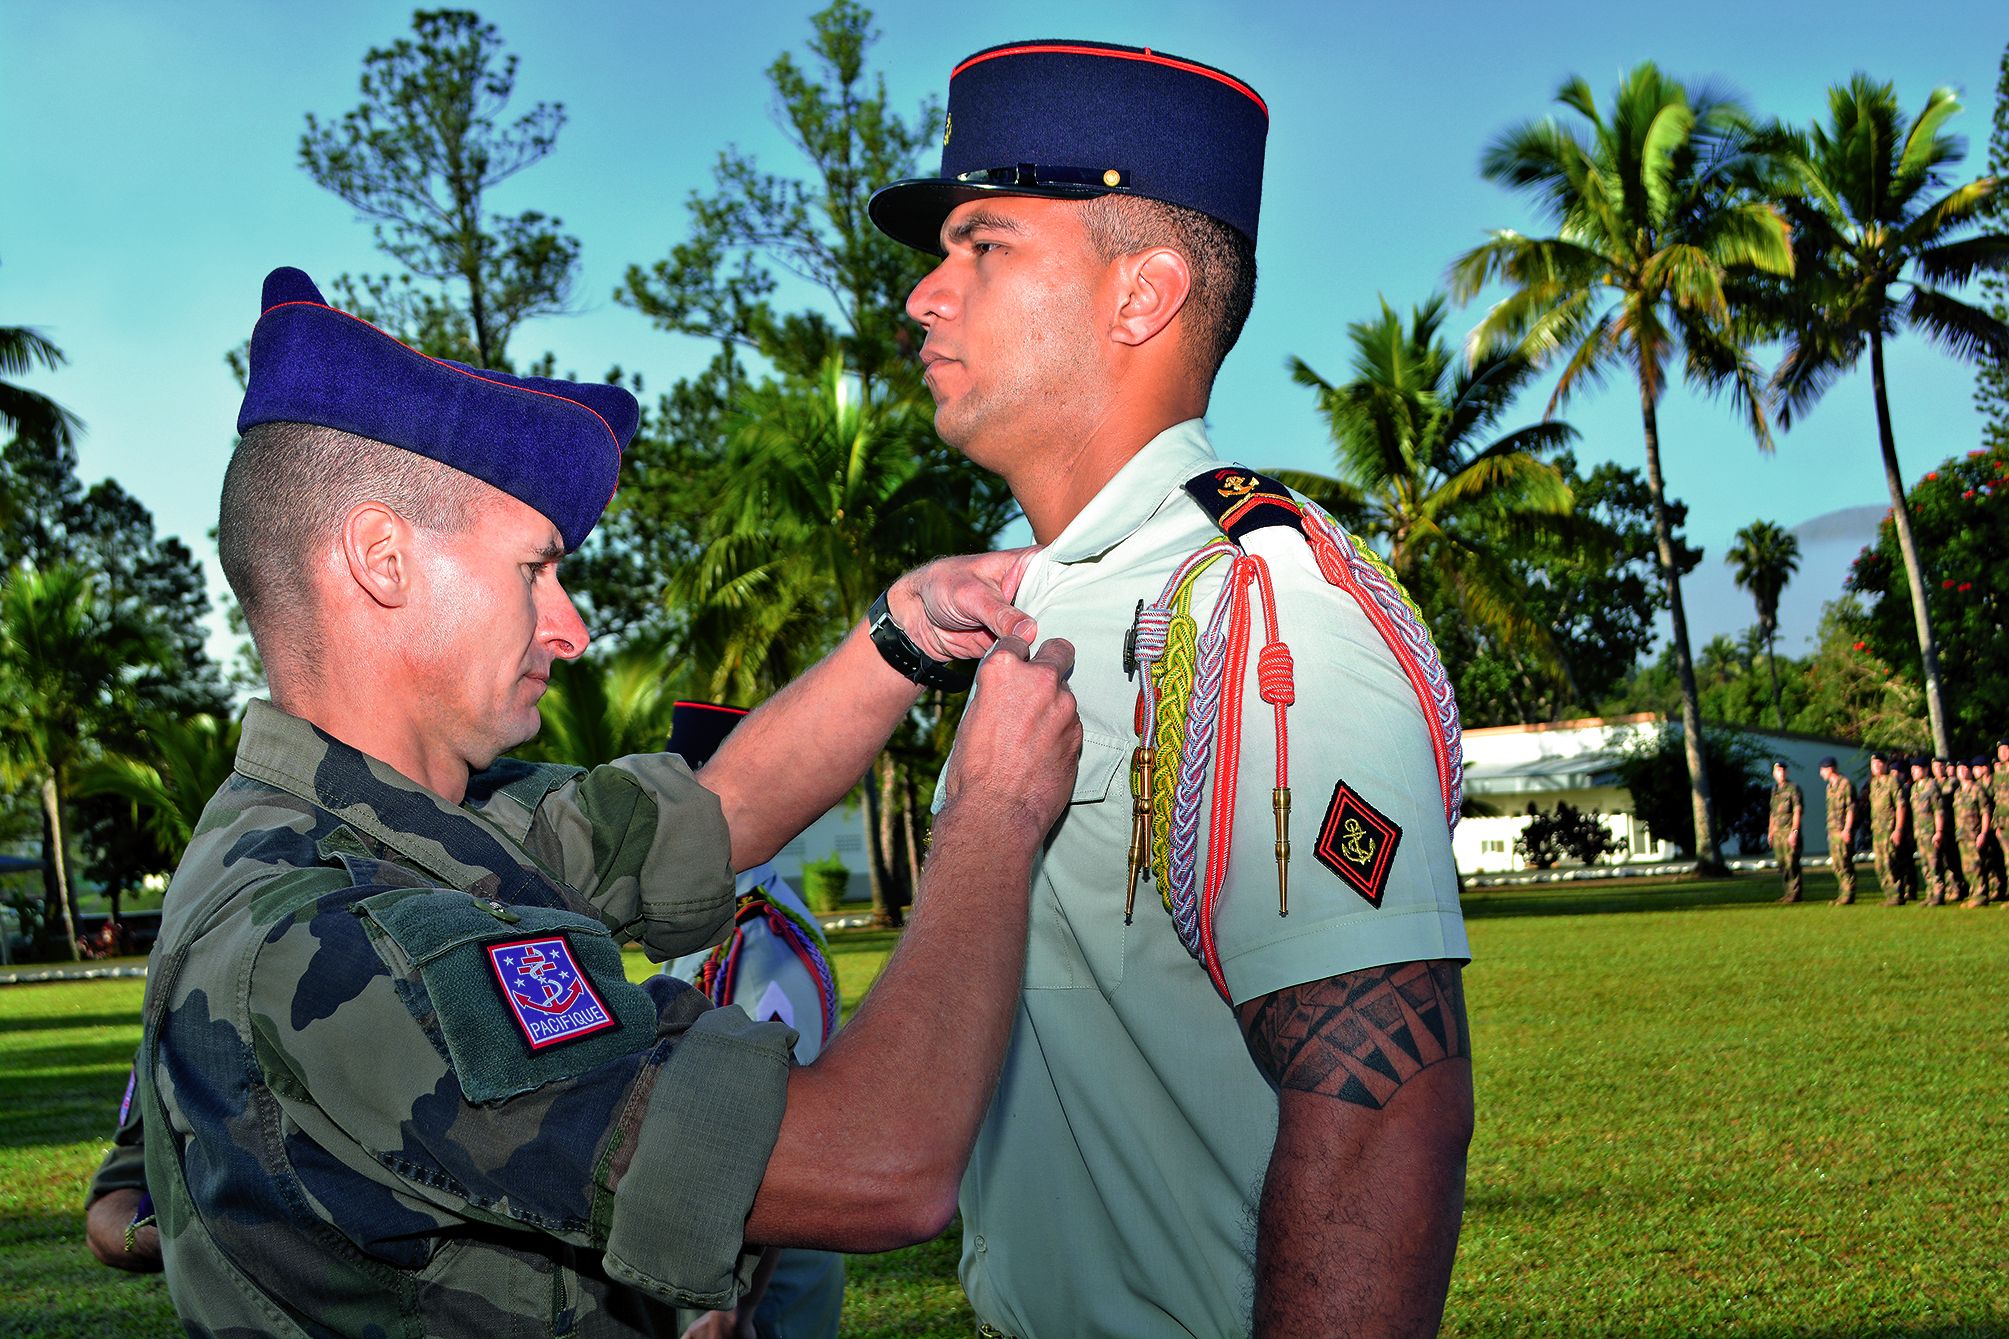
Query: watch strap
{"points": [[905, 655]]}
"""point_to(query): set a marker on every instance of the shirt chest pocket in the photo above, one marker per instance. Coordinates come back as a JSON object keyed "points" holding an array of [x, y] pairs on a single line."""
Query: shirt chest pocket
{"points": [[1076, 938]]}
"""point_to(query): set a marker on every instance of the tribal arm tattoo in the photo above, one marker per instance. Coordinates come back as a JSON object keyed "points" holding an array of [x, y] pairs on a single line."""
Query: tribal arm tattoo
{"points": [[1359, 1037]]}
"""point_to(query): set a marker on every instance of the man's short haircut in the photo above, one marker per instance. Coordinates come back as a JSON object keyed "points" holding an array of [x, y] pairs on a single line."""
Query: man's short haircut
{"points": [[287, 490], [1223, 263]]}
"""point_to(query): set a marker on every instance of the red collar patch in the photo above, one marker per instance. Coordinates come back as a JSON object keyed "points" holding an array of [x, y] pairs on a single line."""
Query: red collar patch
{"points": [[1357, 842]]}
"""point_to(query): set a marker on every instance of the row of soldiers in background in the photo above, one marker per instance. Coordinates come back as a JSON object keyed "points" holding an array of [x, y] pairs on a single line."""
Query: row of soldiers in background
{"points": [[1944, 828]]}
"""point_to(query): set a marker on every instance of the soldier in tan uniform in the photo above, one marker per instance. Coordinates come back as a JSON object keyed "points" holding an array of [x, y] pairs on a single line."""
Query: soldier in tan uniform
{"points": [[1841, 814], [1928, 828], [1887, 828], [1784, 830], [1971, 821]]}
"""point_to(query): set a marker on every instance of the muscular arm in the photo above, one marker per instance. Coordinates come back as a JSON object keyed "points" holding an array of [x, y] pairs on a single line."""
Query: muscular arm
{"points": [[876, 1133], [796, 756], [1366, 1185]]}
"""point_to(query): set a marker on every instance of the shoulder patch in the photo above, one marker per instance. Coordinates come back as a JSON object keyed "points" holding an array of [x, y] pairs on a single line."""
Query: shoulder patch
{"points": [[546, 991], [1240, 500], [1357, 842]]}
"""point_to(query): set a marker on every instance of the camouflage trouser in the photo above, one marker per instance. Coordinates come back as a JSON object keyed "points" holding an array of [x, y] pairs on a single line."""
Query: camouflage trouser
{"points": [[1970, 861], [1932, 871], [1991, 866], [1889, 876], [1787, 853], [1842, 860], [1953, 880]]}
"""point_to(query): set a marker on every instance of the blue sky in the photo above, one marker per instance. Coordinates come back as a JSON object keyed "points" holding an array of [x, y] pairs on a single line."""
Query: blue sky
{"points": [[148, 160]]}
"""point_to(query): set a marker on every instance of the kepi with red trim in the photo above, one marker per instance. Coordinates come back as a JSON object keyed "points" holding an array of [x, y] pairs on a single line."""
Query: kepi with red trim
{"points": [[1075, 120], [552, 445]]}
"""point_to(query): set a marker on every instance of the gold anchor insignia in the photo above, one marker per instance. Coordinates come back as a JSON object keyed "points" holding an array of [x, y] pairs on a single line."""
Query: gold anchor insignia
{"points": [[1355, 844], [1237, 485], [948, 126]]}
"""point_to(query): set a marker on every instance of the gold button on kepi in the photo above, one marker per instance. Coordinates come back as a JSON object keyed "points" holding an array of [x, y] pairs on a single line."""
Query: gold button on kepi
{"points": [[1112, 178]]}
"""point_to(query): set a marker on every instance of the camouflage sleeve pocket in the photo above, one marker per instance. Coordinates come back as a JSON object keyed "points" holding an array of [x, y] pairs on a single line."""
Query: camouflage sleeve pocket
{"points": [[522, 996]]}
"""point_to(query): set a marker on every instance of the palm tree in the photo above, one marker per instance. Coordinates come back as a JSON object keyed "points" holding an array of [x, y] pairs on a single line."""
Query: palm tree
{"points": [[1764, 558], [64, 665], [828, 492], [1878, 227], [606, 707], [1658, 232], [1413, 473], [23, 412], [183, 761]]}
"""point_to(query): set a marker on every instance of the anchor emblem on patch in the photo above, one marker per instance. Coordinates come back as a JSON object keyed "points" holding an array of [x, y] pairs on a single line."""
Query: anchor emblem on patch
{"points": [[546, 991], [1237, 485], [1357, 842]]}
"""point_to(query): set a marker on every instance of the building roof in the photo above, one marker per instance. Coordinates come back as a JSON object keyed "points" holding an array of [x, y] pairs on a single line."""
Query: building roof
{"points": [[1578, 771]]}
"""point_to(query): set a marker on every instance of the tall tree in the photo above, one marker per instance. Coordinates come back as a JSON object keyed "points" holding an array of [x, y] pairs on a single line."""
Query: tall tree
{"points": [[1991, 390], [1594, 585], [1763, 559], [829, 386], [64, 669], [1881, 229], [1658, 228], [418, 156], [1959, 515], [1418, 474], [722, 281]]}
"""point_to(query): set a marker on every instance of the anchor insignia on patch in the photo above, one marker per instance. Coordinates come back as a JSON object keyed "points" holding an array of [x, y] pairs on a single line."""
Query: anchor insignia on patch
{"points": [[551, 998], [1357, 842]]}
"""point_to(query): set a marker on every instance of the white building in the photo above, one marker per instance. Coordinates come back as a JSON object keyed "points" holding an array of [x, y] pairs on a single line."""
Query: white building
{"points": [[1509, 766]]}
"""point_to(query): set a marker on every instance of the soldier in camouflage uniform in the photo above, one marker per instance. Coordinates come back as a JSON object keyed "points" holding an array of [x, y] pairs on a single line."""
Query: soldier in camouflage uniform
{"points": [[1887, 828], [1784, 830], [1953, 886], [1971, 821], [1841, 815], [1928, 827], [1992, 851], [393, 1076]]}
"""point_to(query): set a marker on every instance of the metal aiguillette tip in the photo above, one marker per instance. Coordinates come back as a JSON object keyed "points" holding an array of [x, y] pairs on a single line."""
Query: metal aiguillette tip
{"points": [[1280, 802]]}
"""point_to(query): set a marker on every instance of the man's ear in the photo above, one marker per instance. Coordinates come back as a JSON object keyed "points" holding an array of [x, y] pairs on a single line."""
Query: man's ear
{"points": [[1154, 286], [377, 545]]}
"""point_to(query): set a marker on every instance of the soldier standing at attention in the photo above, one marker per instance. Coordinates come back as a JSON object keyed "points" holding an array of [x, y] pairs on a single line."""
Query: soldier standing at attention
{"points": [[1952, 887], [1886, 828], [1841, 804], [1928, 829], [1970, 827], [1992, 852], [1784, 830], [1240, 1090], [393, 1075]]}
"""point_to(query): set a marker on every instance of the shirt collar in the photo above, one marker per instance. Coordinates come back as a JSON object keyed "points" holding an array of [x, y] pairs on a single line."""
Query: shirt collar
{"points": [[442, 838], [1135, 493]]}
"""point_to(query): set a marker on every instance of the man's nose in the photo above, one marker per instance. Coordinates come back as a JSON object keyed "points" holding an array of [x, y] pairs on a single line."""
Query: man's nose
{"points": [[562, 627], [933, 298]]}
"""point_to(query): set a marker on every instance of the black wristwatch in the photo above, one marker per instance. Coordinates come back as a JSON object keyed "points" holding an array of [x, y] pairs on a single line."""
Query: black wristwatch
{"points": [[901, 652]]}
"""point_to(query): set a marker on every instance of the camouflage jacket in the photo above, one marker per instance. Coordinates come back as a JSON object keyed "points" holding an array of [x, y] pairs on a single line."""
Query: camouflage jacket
{"points": [[1886, 803], [1925, 807], [1841, 805], [1785, 812], [1970, 811], [1998, 792], [394, 1078]]}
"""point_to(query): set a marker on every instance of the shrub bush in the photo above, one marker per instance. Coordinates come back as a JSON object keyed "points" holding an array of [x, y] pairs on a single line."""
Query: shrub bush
{"points": [[824, 883], [1566, 831]]}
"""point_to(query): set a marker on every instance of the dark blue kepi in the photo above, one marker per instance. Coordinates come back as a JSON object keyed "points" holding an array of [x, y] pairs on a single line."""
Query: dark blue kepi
{"points": [[1073, 120]]}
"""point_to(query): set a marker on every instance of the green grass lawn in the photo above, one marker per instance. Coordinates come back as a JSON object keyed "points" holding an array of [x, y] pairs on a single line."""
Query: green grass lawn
{"points": [[1700, 1114]]}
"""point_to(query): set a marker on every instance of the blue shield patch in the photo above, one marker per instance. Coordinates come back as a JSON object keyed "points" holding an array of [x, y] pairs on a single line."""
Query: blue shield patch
{"points": [[551, 998]]}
